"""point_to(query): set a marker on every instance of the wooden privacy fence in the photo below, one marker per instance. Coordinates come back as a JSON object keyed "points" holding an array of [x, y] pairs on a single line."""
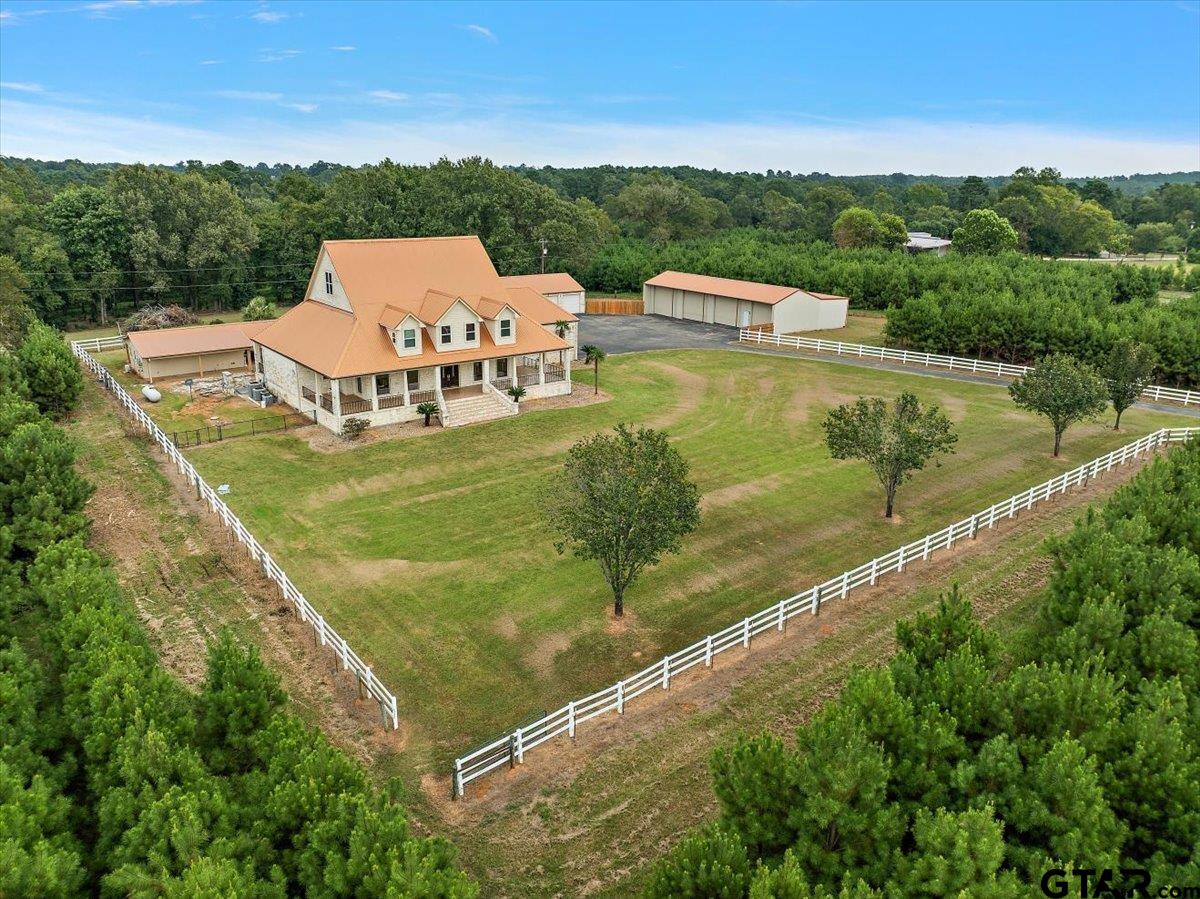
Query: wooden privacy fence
{"points": [[510, 749], [1152, 393], [341, 654], [613, 306], [247, 428]]}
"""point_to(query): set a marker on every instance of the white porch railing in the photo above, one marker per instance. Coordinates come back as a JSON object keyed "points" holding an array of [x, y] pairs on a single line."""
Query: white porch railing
{"points": [[342, 654], [1153, 393], [100, 344], [510, 749], [501, 395]]}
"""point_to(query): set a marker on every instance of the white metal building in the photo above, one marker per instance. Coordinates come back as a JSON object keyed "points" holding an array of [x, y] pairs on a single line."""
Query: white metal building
{"points": [[558, 287], [726, 301]]}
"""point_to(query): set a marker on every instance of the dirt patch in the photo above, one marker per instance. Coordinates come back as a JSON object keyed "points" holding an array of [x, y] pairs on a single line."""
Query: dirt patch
{"points": [[810, 397], [690, 389], [546, 649], [370, 571], [506, 626], [736, 493]]}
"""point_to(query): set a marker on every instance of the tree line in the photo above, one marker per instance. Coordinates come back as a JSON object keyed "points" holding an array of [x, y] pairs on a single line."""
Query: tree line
{"points": [[115, 778], [968, 768]]}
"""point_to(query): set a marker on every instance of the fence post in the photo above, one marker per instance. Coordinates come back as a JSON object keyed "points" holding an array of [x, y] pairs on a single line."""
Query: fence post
{"points": [[571, 719], [816, 604], [845, 583], [874, 570], [900, 559], [458, 781], [666, 681], [975, 526], [708, 651], [620, 697], [781, 618], [746, 632]]}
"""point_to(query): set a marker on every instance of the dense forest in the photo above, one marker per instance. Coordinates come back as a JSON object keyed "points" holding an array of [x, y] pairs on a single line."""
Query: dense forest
{"points": [[82, 242], [115, 778], [963, 768]]}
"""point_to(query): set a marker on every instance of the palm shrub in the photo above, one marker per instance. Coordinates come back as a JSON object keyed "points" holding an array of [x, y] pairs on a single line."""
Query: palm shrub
{"points": [[516, 392], [428, 410]]}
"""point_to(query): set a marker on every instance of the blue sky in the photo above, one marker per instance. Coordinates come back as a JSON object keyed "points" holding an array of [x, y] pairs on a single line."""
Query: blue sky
{"points": [[1091, 88]]}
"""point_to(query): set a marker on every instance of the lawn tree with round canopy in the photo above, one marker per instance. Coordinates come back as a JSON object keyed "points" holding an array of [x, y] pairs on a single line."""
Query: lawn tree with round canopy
{"points": [[1062, 389], [895, 440], [623, 499]]}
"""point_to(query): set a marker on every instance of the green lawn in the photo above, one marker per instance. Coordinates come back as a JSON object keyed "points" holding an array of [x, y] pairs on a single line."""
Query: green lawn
{"points": [[430, 555], [862, 326]]}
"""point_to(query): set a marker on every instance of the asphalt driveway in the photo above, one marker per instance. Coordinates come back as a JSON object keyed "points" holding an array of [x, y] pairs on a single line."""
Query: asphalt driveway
{"points": [[634, 333]]}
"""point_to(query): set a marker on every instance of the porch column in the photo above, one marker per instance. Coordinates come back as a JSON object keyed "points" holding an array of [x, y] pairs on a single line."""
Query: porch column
{"points": [[335, 396], [487, 370], [404, 382], [567, 369], [374, 393], [541, 368]]}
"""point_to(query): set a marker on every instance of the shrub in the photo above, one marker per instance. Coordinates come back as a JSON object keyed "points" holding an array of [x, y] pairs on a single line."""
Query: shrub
{"points": [[260, 309], [354, 428], [51, 373]]}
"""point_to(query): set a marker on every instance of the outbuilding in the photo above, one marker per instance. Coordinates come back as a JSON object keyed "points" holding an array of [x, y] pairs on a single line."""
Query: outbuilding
{"points": [[194, 350], [924, 242], [558, 287], [744, 304]]}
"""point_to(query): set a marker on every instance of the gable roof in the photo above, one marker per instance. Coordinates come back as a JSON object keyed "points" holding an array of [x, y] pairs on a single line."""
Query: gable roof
{"points": [[826, 296], [195, 340], [550, 282], [385, 280], [723, 287]]}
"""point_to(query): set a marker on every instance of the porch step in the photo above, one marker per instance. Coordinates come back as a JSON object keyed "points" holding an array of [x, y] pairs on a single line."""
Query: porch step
{"points": [[472, 409]]}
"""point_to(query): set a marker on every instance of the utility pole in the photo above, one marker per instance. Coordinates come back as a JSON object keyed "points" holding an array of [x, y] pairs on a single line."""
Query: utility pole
{"points": [[542, 241]]}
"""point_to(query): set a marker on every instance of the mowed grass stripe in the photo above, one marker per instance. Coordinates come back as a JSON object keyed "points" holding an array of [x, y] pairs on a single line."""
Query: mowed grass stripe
{"points": [[431, 555]]}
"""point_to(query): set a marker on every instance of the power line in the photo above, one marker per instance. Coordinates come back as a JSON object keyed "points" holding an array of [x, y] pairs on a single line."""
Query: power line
{"points": [[172, 271], [184, 286]]}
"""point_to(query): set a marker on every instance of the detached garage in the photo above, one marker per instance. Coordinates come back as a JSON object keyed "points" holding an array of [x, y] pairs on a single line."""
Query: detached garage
{"points": [[199, 350], [558, 287], [726, 301]]}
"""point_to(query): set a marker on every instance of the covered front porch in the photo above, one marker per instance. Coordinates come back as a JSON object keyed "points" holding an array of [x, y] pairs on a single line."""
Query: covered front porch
{"points": [[393, 396]]}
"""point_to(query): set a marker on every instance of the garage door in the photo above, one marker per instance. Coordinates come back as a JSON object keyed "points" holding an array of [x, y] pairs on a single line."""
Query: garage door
{"points": [[572, 302], [693, 306], [726, 311]]}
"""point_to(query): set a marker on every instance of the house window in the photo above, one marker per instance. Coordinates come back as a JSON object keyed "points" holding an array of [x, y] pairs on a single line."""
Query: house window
{"points": [[410, 338], [412, 378], [383, 384], [470, 332], [506, 327], [501, 368], [445, 333], [329, 283], [477, 371]]}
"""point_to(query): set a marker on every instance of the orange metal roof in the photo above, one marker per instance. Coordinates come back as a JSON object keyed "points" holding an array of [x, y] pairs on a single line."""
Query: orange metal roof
{"points": [[826, 296], [550, 282], [723, 287], [385, 279], [195, 340]]}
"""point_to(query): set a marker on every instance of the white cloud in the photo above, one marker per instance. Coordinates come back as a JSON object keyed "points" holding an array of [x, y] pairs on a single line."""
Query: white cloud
{"points": [[344, 48], [269, 55], [263, 96], [103, 9], [388, 96], [268, 16], [483, 32], [212, 62], [25, 87], [300, 107], [48, 131]]}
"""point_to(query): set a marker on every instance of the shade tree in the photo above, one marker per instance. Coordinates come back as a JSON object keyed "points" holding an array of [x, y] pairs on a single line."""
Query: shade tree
{"points": [[1063, 390]]}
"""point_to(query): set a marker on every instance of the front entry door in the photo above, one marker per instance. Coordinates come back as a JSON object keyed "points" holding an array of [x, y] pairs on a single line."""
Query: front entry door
{"points": [[449, 376]]}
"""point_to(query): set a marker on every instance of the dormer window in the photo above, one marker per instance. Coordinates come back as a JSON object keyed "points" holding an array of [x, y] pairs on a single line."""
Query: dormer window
{"points": [[329, 283], [446, 334], [506, 327], [470, 332], [410, 338]]}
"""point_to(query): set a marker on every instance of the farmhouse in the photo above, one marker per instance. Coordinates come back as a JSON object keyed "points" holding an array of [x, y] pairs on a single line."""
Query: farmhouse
{"points": [[924, 242], [389, 324], [725, 301], [558, 287], [196, 350]]}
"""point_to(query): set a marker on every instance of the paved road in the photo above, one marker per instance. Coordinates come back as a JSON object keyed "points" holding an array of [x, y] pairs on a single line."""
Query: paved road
{"points": [[636, 333]]}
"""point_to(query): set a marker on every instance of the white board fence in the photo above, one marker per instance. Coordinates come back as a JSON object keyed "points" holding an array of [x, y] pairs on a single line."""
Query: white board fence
{"points": [[342, 656], [509, 750], [1152, 393], [100, 344]]}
